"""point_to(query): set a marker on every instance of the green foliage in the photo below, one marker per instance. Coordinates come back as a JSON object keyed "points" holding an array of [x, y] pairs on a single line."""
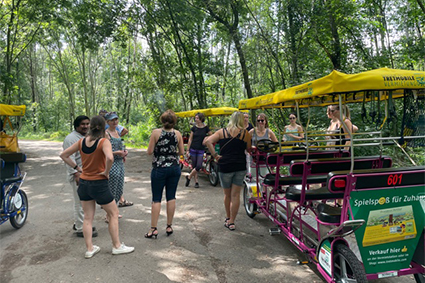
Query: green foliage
{"points": [[139, 134], [67, 58]]}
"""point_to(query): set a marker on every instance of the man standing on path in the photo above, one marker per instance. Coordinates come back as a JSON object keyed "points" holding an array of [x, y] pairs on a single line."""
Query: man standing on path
{"points": [[81, 127]]}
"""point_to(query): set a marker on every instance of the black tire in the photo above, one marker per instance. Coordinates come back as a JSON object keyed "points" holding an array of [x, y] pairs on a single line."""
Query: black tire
{"points": [[181, 165], [347, 266], [250, 208], [18, 220], [419, 278], [213, 173]]}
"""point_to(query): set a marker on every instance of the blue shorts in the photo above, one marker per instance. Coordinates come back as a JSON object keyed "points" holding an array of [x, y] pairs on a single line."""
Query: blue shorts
{"points": [[97, 190], [227, 179]]}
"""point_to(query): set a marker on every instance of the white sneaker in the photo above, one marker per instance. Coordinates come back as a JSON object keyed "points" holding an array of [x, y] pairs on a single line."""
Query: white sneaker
{"points": [[95, 250], [123, 249]]}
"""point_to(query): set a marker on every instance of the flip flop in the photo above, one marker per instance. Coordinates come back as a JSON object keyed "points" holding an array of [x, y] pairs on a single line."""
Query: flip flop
{"points": [[125, 203]]}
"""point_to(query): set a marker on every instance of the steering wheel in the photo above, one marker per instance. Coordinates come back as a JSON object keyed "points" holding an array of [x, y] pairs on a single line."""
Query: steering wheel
{"points": [[310, 143], [267, 145]]}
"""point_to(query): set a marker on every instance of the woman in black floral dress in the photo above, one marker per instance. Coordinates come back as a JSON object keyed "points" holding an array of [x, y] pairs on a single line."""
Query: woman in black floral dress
{"points": [[166, 144]]}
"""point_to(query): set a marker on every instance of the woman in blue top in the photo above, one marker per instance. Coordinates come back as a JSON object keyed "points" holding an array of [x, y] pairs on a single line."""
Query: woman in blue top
{"points": [[196, 147], [166, 144], [233, 141], [293, 131]]}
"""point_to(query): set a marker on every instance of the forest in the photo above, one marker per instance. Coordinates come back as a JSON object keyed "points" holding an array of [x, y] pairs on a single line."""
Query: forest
{"points": [[64, 58]]}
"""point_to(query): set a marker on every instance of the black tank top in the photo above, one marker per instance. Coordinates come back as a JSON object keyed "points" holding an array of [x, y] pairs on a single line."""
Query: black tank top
{"points": [[232, 151], [165, 152]]}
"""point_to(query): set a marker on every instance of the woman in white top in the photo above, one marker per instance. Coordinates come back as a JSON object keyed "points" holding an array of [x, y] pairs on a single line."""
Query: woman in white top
{"points": [[293, 131], [336, 127]]}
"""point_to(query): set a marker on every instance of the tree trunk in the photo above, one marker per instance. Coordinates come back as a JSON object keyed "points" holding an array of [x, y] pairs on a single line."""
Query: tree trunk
{"points": [[186, 56], [233, 32], [33, 94]]}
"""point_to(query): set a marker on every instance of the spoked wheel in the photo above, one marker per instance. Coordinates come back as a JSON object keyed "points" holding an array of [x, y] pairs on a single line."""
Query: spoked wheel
{"points": [[250, 208], [19, 204], [347, 268], [213, 170]]}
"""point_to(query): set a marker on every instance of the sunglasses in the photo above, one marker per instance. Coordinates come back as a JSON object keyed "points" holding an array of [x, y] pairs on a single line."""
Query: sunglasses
{"points": [[260, 121], [292, 118], [331, 110]]}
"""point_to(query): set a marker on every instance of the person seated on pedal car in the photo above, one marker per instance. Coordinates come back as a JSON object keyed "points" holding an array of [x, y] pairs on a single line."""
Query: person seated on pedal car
{"points": [[293, 131], [261, 132], [196, 147], [336, 126]]}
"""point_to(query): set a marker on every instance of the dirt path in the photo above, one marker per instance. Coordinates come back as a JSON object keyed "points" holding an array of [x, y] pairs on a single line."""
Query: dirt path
{"points": [[200, 250]]}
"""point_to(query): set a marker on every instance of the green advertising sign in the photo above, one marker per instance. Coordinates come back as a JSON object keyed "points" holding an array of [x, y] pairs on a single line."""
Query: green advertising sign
{"points": [[394, 222]]}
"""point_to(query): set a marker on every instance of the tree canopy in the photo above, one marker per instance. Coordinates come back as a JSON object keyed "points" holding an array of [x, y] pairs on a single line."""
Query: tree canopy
{"points": [[65, 58]]}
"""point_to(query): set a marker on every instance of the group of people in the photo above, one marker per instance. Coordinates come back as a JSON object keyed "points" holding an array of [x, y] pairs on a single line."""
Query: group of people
{"points": [[87, 157], [92, 160], [92, 151]]}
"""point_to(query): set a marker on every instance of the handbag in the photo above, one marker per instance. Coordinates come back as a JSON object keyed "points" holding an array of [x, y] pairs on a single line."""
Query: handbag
{"points": [[8, 143]]}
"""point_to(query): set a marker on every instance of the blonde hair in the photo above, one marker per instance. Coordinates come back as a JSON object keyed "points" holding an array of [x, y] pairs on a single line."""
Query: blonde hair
{"points": [[236, 121]]}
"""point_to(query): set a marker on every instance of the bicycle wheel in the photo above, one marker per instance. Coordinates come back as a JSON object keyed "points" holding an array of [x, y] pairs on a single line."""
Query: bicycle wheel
{"points": [[347, 268], [250, 208], [20, 204], [213, 173]]}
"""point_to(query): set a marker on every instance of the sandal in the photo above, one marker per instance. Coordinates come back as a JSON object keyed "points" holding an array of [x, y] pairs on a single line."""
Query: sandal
{"points": [[169, 230], [125, 203], [225, 221], [153, 233], [230, 226]]}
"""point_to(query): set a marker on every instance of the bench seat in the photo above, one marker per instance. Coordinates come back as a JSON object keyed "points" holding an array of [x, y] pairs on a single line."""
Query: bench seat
{"points": [[322, 193], [270, 180], [328, 214]]}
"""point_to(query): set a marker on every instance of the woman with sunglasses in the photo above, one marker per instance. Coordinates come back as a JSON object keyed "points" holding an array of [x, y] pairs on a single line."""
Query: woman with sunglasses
{"points": [[116, 176], [341, 131], [262, 131], [293, 131]]}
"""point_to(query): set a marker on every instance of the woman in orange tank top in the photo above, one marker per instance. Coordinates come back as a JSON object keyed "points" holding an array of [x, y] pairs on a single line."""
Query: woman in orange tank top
{"points": [[97, 158]]}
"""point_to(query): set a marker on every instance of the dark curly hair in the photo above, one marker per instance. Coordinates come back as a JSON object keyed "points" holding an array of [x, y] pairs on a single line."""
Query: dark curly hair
{"points": [[168, 119]]}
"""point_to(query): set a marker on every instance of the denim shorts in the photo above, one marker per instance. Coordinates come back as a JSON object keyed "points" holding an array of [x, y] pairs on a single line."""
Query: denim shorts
{"points": [[165, 177], [97, 190], [227, 179]]}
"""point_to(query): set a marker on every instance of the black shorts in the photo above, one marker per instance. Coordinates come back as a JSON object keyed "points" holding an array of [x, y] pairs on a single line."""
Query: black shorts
{"points": [[97, 190]]}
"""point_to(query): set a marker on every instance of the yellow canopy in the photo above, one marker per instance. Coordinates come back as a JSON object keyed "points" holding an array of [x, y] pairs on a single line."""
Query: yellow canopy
{"points": [[12, 110], [263, 101], [220, 111], [320, 92]]}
